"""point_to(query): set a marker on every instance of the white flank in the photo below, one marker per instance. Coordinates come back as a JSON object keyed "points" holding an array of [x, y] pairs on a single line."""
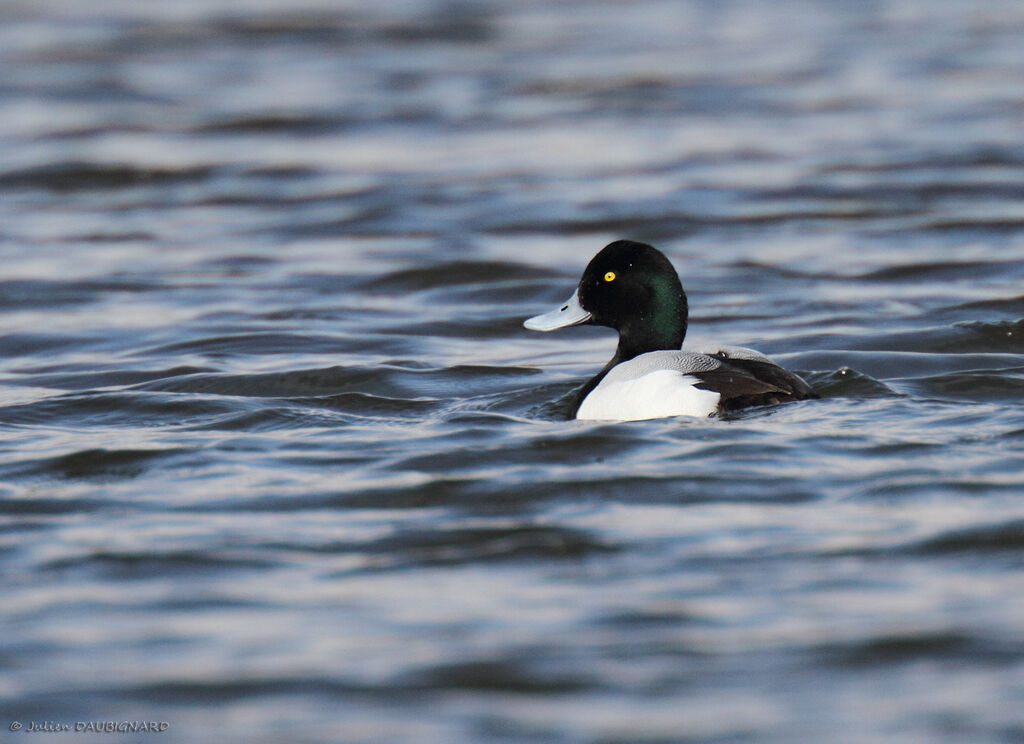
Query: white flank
{"points": [[664, 392]]}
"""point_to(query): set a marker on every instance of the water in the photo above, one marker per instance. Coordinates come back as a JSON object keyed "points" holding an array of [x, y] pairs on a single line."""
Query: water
{"points": [[280, 463]]}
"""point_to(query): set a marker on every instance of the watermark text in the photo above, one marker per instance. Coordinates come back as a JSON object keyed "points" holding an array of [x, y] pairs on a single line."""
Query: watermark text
{"points": [[89, 727]]}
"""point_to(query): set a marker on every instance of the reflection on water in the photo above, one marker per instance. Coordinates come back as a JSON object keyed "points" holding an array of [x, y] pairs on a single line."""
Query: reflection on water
{"points": [[279, 461]]}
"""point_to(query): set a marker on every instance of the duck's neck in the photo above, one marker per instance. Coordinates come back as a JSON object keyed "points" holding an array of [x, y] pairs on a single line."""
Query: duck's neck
{"points": [[662, 325]]}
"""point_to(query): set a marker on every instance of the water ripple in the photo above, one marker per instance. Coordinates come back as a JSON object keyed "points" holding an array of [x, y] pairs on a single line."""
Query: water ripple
{"points": [[278, 455]]}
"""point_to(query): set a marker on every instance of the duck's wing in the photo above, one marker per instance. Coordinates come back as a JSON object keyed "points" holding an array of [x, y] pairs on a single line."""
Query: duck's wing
{"points": [[739, 378], [735, 385], [785, 385]]}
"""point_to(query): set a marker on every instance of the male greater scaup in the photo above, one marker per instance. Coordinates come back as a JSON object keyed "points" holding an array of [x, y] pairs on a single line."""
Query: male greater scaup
{"points": [[633, 288]]}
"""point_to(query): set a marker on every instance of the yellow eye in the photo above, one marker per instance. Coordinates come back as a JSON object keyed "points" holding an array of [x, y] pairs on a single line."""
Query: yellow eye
{"points": [[610, 276]]}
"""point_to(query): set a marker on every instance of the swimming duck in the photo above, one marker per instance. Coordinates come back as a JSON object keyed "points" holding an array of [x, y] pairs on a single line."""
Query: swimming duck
{"points": [[633, 288]]}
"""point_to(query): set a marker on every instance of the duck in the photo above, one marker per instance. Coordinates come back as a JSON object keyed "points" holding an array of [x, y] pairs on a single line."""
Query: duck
{"points": [[633, 288]]}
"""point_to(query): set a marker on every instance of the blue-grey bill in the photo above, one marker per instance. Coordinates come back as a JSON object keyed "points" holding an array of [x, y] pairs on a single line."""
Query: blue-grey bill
{"points": [[568, 313]]}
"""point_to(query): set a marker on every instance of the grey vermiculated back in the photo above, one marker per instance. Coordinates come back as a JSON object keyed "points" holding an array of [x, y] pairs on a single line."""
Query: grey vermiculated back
{"points": [[739, 352], [679, 361]]}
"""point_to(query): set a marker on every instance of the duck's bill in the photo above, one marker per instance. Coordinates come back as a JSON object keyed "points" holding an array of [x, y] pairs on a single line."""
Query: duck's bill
{"points": [[569, 313]]}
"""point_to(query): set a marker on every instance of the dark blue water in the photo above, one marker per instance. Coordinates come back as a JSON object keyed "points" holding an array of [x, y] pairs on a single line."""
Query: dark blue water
{"points": [[280, 463]]}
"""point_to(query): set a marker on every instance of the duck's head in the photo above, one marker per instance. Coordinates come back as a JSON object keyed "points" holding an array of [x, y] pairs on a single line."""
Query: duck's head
{"points": [[633, 288]]}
